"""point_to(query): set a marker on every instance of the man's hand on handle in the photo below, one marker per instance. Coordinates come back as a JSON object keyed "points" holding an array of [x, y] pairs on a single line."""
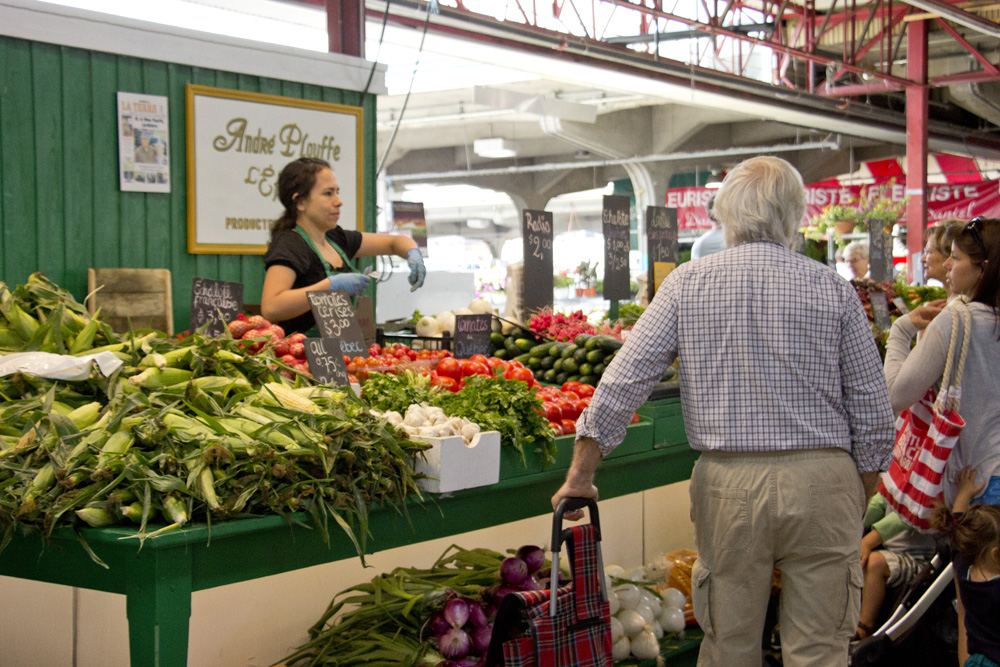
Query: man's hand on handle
{"points": [[580, 478]]}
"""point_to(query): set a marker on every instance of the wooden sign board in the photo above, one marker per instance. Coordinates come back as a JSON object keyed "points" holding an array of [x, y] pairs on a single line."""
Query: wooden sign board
{"points": [[880, 309], [879, 253], [326, 363], [615, 225], [661, 242], [472, 335], [537, 289], [335, 319], [216, 302]]}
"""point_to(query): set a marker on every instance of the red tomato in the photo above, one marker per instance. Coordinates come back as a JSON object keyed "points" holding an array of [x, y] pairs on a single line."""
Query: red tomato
{"points": [[571, 395], [495, 363], [556, 428], [569, 386], [547, 392], [523, 375], [635, 418], [585, 391], [470, 367], [568, 410], [569, 426], [552, 412], [444, 382], [449, 368], [347, 360], [579, 406], [374, 349]]}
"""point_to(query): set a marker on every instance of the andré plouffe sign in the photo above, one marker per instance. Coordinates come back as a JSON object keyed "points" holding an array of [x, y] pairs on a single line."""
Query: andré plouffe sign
{"points": [[238, 143]]}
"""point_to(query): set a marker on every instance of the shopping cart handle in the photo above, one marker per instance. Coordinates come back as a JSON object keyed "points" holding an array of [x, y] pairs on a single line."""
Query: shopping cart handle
{"points": [[568, 505]]}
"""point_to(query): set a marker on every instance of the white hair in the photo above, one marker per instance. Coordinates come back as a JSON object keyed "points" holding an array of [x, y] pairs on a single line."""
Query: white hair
{"points": [[857, 249], [761, 199]]}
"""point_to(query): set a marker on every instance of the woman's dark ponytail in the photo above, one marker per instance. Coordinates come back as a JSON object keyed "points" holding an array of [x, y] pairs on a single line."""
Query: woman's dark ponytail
{"points": [[295, 181]]}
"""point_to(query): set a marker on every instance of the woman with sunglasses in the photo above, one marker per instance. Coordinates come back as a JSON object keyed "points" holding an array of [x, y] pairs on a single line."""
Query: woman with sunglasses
{"points": [[974, 272]]}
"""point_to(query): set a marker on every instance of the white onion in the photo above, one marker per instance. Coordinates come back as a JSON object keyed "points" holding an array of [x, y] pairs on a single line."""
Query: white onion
{"points": [[628, 595], [672, 620], [646, 612], [636, 574], [614, 571], [652, 600], [632, 622], [613, 602], [656, 630], [427, 326], [481, 307], [617, 632], [446, 321], [673, 598], [644, 645], [621, 648]]}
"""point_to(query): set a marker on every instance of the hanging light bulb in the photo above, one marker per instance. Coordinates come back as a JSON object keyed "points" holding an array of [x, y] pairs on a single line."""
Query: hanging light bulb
{"points": [[714, 181]]}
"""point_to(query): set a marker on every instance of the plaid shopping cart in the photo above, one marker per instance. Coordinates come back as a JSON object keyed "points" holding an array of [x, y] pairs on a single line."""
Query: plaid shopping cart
{"points": [[568, 626]]}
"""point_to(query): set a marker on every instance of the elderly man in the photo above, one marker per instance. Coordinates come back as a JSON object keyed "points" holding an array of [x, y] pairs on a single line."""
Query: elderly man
{"points": [[784, 396]]}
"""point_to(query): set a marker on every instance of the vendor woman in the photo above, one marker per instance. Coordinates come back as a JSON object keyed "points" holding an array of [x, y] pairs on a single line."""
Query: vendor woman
{"points": [[309, 251]]}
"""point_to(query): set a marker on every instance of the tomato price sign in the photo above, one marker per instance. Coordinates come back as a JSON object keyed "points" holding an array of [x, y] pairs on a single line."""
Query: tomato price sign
{"points": [[335, 319], [537, 281], [472, 335]]}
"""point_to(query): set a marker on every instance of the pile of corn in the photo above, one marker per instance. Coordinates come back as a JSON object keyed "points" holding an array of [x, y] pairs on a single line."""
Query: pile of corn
{"points": [[189, 430]]}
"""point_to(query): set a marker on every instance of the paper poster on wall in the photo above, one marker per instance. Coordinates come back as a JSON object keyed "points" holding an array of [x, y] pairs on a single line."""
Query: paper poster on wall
{"points": [[237, 145], [143, 143], [408, 218]]}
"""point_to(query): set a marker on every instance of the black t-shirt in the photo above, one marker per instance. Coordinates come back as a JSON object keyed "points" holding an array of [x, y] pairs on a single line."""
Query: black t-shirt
{"points": [[289, 249], [982, 609]]}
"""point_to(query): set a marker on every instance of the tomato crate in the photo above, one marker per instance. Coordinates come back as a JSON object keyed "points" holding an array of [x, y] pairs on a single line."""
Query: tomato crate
{"points": [[413, 341], [668, 421]]}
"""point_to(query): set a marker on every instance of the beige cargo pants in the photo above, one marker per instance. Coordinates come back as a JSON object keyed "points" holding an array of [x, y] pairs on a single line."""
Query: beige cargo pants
{"points": [[797, 511]]}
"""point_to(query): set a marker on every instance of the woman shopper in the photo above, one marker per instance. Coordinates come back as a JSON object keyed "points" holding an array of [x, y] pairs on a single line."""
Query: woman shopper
{"points": [[974, 272], [937, 250], [309, 251]]}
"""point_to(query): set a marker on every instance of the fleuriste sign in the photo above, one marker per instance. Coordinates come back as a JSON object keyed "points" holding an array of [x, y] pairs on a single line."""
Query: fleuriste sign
{"points": [[238, 143]]}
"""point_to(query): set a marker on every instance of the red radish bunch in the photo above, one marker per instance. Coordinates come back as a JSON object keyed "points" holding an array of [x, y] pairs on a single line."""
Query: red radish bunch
{"points": [[291, 350], [561, 327]]}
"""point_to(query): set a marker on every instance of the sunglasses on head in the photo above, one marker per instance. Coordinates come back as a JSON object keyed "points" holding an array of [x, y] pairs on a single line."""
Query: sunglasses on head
{"points": [[974, 227]]}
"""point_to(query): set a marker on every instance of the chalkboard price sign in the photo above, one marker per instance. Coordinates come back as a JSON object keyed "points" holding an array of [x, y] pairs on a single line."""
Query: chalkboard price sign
{"points": [[661, 237], [537, 282], [335, 319], [326, 363], [880, 309], [879, 253], [615, 225], [472, 335], [208, 297]]}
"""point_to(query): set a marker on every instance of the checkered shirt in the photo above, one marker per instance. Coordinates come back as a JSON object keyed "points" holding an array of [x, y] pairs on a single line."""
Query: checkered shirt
{"points": [[776, 354]]}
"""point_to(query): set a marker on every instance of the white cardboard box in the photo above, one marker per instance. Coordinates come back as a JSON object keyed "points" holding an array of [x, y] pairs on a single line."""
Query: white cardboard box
{"points": [[450, 465]]}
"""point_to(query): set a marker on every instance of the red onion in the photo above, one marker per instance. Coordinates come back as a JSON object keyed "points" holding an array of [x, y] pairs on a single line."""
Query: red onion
{"points": [[481, 638], [532, 556], [513, 571], [530, 584], [500, 592], [470, 661], [456, 612], [477, 615], [491, 611], [455, 643], [437, 624]]}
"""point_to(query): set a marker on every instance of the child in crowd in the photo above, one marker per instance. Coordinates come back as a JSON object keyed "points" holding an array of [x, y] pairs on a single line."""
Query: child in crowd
{"points": [[903, 552], [974, 533]]}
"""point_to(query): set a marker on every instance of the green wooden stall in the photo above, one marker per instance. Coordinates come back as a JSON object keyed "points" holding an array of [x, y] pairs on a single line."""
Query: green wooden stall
{"points": [[61, 210]]}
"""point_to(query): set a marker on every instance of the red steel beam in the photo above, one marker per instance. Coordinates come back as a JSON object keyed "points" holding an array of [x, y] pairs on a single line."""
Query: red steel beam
{"points": [[916, 142]]}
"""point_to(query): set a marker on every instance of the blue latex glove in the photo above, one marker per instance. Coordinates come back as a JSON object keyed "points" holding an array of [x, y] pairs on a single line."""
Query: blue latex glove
{"points": [[352, 283], [417, 270]]}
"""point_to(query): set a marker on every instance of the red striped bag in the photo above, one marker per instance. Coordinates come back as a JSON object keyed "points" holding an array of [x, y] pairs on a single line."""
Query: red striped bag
{"points": [[926, 433]]}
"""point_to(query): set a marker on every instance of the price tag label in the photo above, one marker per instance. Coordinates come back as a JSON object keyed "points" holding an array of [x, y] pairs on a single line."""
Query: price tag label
{"points": [[215, 302], [536, 230], [472, 335], [615, 225], [326, 363], [335, 319], [661, 241], [880, 309], [901, 304]]}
